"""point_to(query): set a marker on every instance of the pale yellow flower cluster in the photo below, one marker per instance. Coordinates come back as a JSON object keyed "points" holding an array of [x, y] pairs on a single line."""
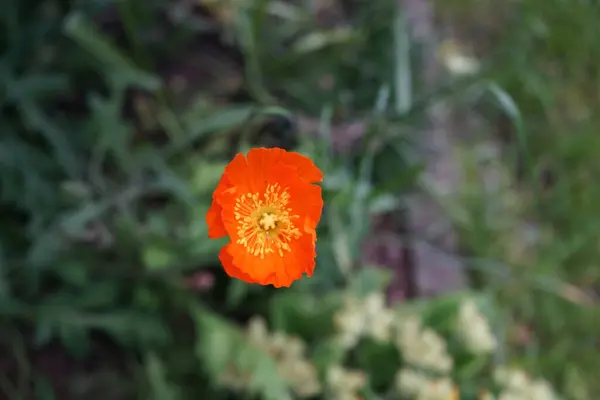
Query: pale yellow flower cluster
{"points": [[344, 384], [368, 317], [288, 354], [456, 58], [421, 347], [427, 362], [419, 386], [516, 385], [474, 330]]}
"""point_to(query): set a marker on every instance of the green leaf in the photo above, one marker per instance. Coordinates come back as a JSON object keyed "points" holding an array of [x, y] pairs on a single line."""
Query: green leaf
{"points": [[304, 315], [75, 339], [236, 293], [219, 346], [575, 385], [383, 203], [392, 172], [160, 387], [316, 41], [441, 312], [327, 276], [113, 133], [34, 86], [326, 354], [403, 73], [201, 247], [43, 388], [74, 272], [118, 69], [199, 125], [75, 222], [155, 257], [379, 360], [133, 328], [205, 176], [62, 148], [43, 333], [45, 249], [369, 280], [509, 106]]}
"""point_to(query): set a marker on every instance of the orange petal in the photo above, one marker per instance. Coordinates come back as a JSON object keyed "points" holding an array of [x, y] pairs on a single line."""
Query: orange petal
{"points": [[291, 267], [307, 170], [236, 173], [280, 276], [304, 253], [310, 228], [216, 229], [274, 269], [261, 163], [250, 174], [265, 158], [233, 271], [262, 160], [257, 268], [227, 202], [305, 198], [314, 204]]}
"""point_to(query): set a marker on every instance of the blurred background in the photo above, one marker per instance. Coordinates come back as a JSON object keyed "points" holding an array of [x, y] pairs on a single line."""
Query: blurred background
{"points": [[458, 249]]}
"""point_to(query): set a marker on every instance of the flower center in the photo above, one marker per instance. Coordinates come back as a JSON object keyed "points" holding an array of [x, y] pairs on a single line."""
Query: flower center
{"points": [[265, 224], [268, 221]]}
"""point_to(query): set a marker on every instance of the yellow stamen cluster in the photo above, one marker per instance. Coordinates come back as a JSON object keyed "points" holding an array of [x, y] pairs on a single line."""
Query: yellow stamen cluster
{"points": [[264, 222]]}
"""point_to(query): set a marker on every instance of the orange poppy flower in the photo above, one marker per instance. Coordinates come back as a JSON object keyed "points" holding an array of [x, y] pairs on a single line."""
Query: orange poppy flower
{"points": [[268, 205]]}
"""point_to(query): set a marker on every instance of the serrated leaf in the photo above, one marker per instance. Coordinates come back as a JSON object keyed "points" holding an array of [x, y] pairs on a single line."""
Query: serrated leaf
{"points": [[220, 345], [326, 354]]}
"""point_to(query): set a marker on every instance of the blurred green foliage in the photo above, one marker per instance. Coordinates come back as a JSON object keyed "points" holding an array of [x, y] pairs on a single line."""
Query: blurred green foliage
{"points": [[107, 166]]}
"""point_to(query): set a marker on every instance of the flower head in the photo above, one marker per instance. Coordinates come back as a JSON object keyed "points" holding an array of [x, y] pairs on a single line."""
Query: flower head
{"points": [[541, 390], [368, 317], [413, 384], [511, 378], [410, 381], [474, 329], [422, 347], [345, 384], [287, 352], [269, 207], [516, 384], [439, 389]]}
